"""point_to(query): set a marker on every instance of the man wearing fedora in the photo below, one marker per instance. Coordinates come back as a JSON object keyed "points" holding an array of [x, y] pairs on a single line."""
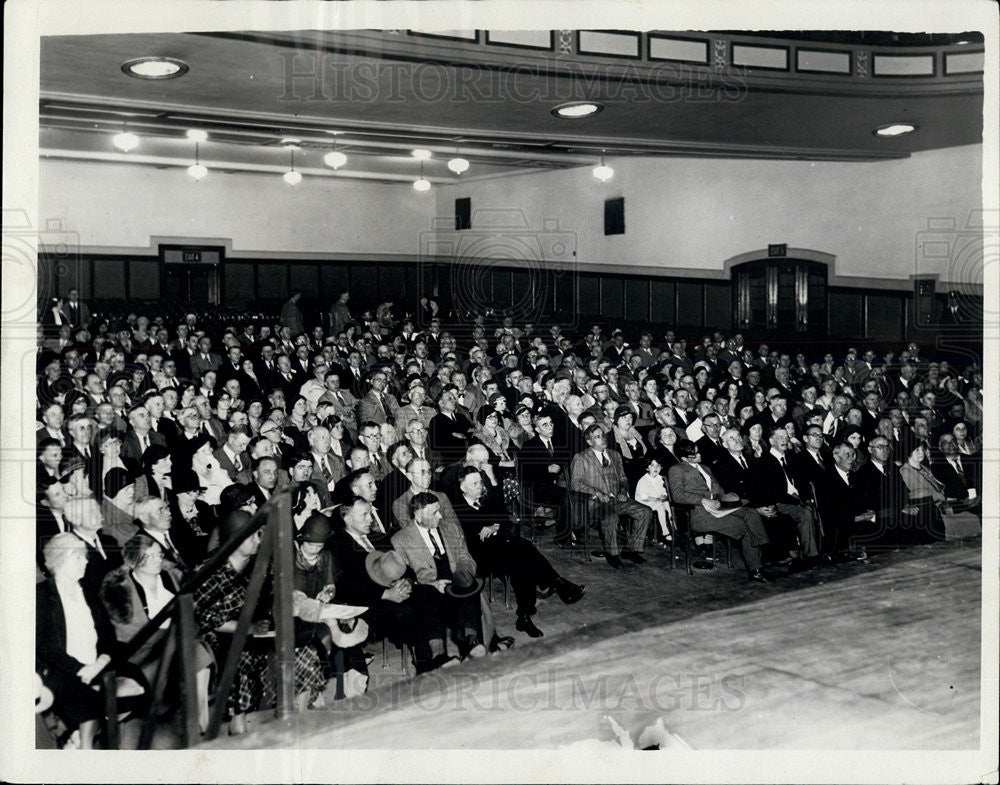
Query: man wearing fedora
{"points": [[498, 550], [694, 487], [434, 548]]}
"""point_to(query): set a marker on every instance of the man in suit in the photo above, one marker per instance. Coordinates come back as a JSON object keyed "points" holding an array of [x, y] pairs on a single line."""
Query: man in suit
{"points": [[844, 509], [541, 465], [204, 359], [881, 489], [498, 550], [232, 455], [103, 554], [264, 472], [694, 487], [53, 420], [138, 438], [379, 404], [49, 520], [403, 612], [598, 473], [710, 445], [958, 476], [812, 463], [414, 410], [153, 517], [777, 490], [731, 468], [434, 548], [343, 401], [449, 430], [76, 310]]}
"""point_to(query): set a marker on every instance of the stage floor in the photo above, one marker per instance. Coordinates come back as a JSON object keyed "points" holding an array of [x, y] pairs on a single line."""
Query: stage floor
{"points": [[879, 656]]}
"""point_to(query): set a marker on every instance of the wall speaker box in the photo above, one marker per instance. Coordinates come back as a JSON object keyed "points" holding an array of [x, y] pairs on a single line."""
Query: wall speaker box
{"points": [[463, 213], [614, 216]]}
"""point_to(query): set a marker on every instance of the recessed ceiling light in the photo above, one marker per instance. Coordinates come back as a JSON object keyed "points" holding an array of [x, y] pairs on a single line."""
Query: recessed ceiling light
{"points": [[895, 129], [197, 135], [154, 68], [576, 110], [421, 154]]}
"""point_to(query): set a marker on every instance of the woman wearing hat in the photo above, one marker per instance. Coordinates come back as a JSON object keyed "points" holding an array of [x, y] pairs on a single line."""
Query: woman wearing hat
{"points": [[626, 439], [133, 594], [218, 603], [523, 428], [491, 433], [319, 622], [74, 640]]}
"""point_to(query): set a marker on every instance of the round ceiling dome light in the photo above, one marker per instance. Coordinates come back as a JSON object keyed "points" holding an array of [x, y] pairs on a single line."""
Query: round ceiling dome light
{"points": [[335, 159], [154, 68], [603, 172], [292, 177], [422, 185], [458, 165], [197, 171], [577, 110], [197, 135], [421, 154], [895, 129], [125, 141]]}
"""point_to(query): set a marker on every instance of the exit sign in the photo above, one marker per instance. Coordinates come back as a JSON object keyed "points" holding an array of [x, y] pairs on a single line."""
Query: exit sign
{"points": [[192, 256], [777, 250]]}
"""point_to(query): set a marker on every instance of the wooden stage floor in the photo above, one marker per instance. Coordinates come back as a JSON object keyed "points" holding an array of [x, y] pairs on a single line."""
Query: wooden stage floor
{"points": [[879, 656]]}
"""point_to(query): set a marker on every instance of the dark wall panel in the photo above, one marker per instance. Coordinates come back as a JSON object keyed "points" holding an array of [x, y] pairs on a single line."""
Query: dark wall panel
{"points": [[590, 295], [564, 297], [72, 273], [718, 306], [272, 281], [885, 317], [661, 296], [109, 278], [689, 311], [522, 294], [333, 278], [501, 288], [637, 299], [239, 283], [391, 283], [305, 278], [845, 312], [144, 280], [612, 292]]}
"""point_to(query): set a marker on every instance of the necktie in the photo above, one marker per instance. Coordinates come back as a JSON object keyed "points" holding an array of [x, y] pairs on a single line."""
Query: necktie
{"points": [[376, 523], [958, 468], [604, 460], [548, 446], [475, 505], [142, 444], [742, 462], [438, 545], [784, 469]]}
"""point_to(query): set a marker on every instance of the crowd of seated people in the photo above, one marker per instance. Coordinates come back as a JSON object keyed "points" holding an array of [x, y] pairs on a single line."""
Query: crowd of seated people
{"points": [[421, 462]]}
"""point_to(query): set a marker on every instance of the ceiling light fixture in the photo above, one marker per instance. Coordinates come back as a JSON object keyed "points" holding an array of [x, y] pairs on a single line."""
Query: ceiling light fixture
{"points": [[422, 184], [458, 164], [196, 170], [154, 68], [421, 154], [335, 159], [895, 129], [602, 171], [577, 110], [292, 177], [197, 135], [126, 141]]}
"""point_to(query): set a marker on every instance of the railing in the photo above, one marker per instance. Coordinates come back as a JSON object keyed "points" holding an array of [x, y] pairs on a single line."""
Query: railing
{"points": [[276, 548]]}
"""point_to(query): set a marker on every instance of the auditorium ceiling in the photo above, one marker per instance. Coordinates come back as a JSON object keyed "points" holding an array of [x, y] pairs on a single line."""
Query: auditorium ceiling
{"points": [[489, 97]]}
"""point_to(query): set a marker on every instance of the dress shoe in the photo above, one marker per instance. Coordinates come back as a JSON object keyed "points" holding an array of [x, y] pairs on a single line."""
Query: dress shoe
{"points": [[526, 625], [614, 561], [568, 592], [477, 651], [758, 577], [544, 594], [633, 556], [501, 643]]}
